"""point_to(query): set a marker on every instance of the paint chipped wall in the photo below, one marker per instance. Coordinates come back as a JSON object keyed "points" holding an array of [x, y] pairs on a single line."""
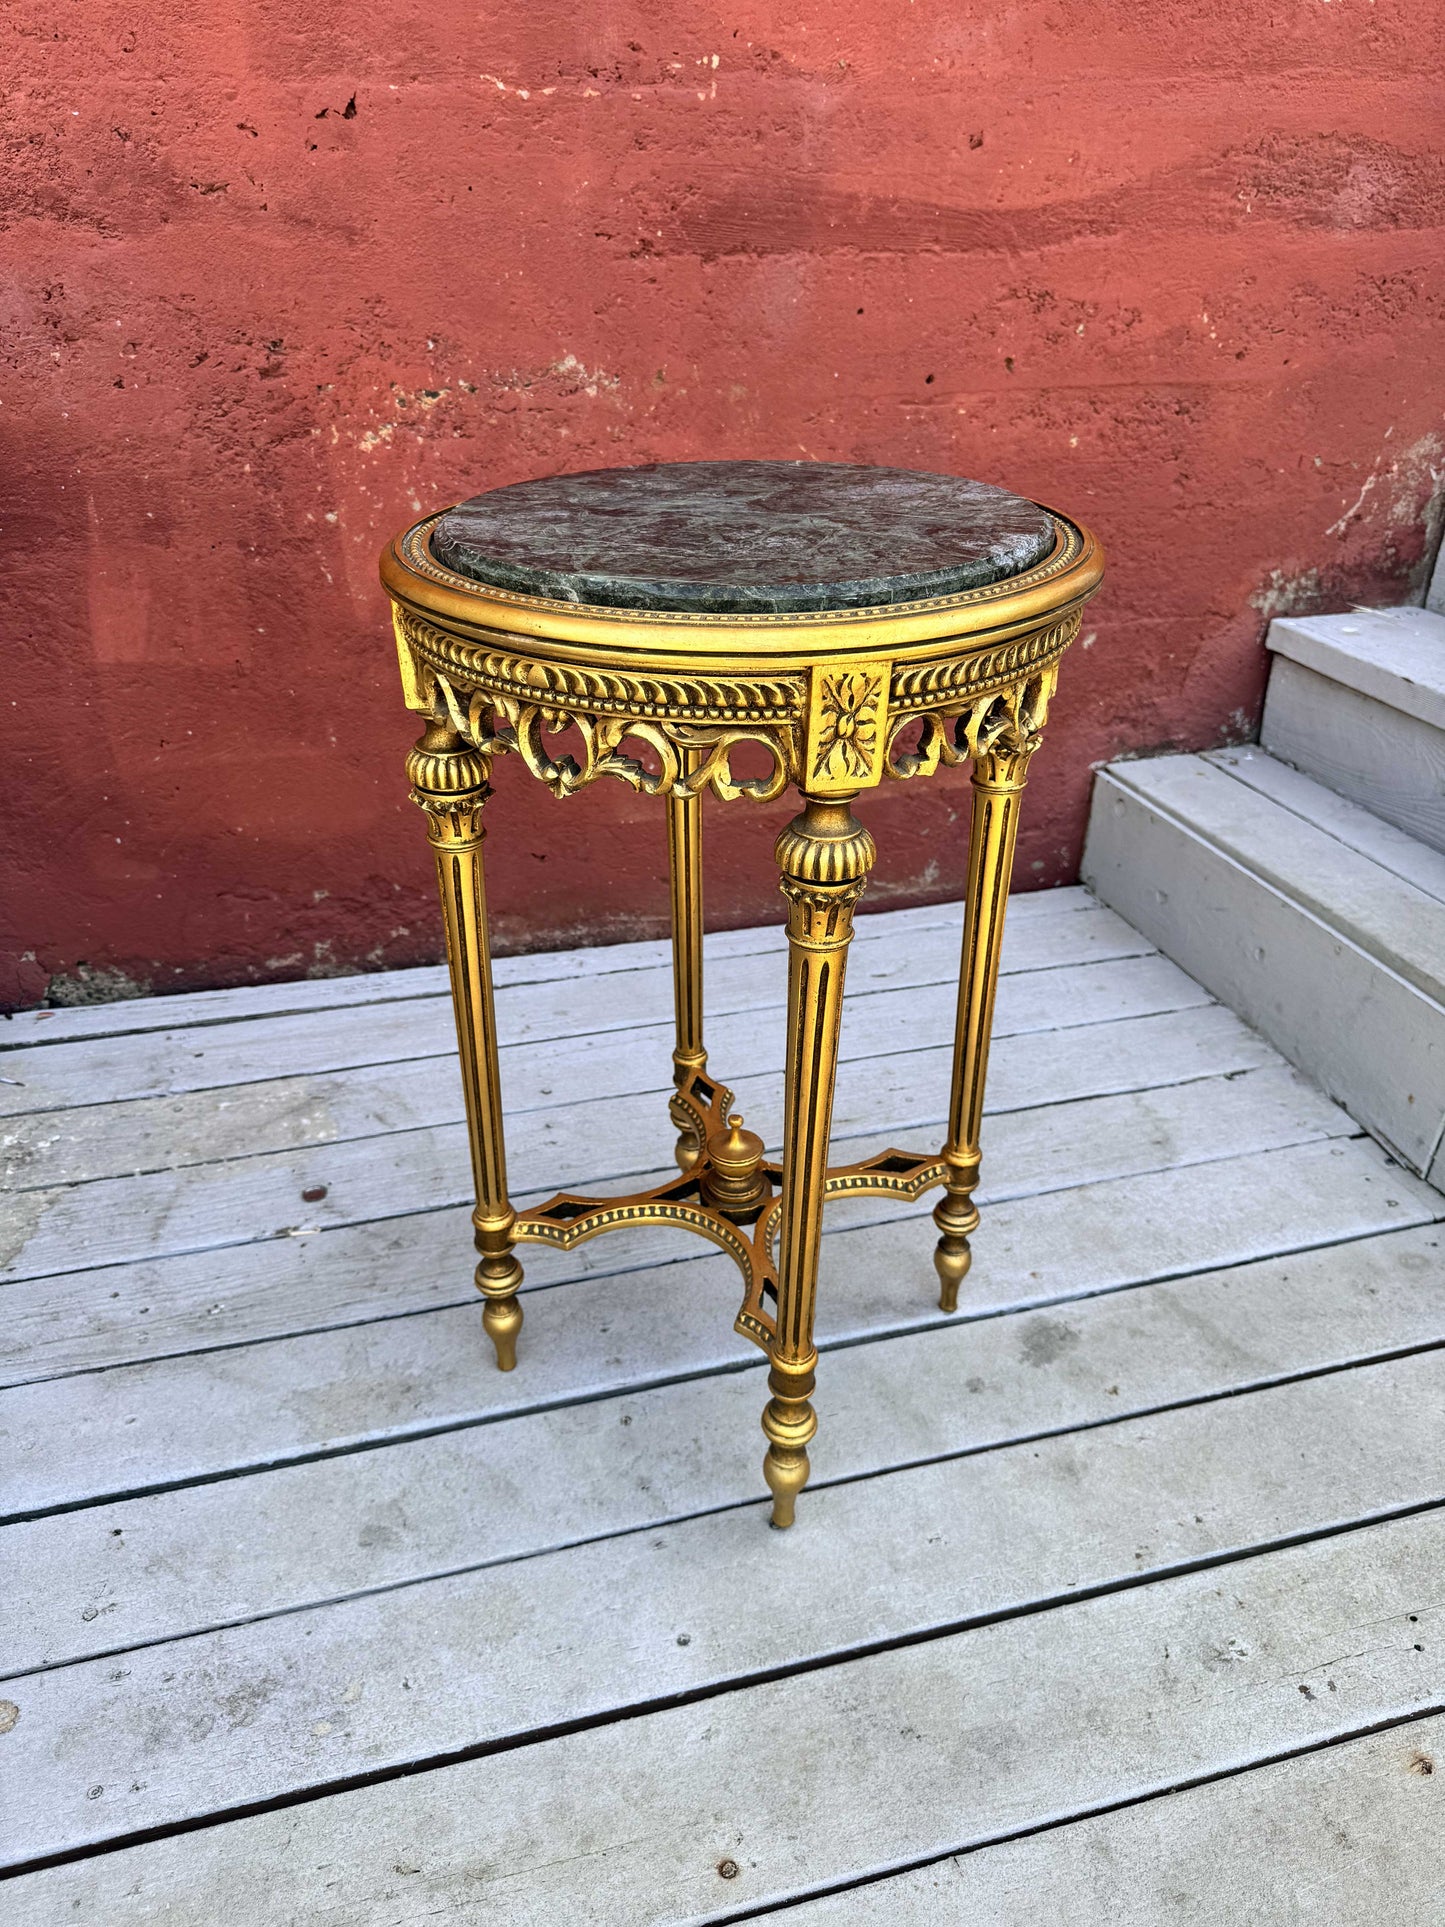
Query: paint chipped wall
{"points": [[277, 279]]}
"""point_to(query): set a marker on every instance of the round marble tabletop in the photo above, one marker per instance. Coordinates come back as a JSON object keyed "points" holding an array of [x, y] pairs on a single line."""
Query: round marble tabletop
{"points": [[743, 537]]}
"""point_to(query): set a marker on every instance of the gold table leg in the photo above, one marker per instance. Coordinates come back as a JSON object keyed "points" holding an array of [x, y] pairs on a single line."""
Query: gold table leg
{"points": [[449, 781], [998, 782], [684, 848], [824, 857]]}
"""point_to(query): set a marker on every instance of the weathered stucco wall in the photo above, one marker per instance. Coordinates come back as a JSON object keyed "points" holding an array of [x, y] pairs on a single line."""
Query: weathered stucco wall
{"points": [[276, 278]]}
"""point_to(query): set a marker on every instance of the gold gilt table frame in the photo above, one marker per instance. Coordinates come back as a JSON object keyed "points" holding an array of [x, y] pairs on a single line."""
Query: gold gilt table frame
{"points": [[840, 701]]}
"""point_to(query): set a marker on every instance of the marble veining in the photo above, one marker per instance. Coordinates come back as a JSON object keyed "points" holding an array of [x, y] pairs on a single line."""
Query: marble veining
{"points": [[743, 537]]}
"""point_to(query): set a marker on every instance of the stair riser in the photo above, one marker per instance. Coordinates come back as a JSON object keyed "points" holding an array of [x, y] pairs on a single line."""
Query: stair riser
{"points": [[1374, 1042], [1392, 763]]}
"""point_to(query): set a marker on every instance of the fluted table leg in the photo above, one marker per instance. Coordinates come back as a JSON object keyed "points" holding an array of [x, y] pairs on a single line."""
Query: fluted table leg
{"points": [[449, 781], [998, 781], [824, 857], [684, 848]]}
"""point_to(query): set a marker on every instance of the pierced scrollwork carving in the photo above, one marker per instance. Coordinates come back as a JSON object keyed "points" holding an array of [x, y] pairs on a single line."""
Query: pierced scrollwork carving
{"points": [[497, 724], [715, 772], [832, 731], [1005, 725]]}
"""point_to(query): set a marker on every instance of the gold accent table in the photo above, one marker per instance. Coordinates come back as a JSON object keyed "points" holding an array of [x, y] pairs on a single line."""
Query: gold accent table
{"points": [[692, 608]]}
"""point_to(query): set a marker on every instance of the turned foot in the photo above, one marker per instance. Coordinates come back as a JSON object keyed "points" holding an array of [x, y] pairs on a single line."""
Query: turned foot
{"points": [[789, 1422], [502, 1322], [498, 1276], [786, 1473], [955, 1217]]}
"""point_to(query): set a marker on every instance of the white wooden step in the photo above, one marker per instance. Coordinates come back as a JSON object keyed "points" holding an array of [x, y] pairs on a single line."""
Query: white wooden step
{"points": [[1394, 656], [1359, 829], [484, 1658], [1358, 701], [1351, 1835], [791, 1787], [1337, 959]]}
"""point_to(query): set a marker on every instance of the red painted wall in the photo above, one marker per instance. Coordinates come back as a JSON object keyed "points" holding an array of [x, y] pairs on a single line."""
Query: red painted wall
{"points": [[276, 278]]}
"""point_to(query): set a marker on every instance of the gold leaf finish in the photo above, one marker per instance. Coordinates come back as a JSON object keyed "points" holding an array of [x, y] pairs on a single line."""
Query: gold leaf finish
{"points": [[836, 702]]}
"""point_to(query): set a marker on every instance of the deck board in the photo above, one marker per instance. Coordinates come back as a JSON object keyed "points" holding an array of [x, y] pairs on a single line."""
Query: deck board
{"points": [[587, 1008], [298, 1537], [186, 1560], [1352, 1836], [207, 1008], [135, 1429], [1052, 1148], [1029, 1719], [623, 1065], [104, 1315], [488, 1657]]}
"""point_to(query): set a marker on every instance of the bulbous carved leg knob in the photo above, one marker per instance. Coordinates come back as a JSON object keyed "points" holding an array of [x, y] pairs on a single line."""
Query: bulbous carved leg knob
{"points": [[789, 1422], [956, 1215], [498, 1277]]}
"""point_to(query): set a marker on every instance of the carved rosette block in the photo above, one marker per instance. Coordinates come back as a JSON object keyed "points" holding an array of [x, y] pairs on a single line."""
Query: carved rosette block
{"points": [[846, 738]]}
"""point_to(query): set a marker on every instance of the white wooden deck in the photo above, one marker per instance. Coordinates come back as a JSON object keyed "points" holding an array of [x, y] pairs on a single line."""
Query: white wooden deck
{"points": [[1116, 1598]]}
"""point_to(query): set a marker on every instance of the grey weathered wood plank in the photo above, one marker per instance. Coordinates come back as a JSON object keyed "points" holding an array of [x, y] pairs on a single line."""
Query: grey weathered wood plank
{"points": [[94, 1317], [1307, 1312], [137, 1427], [155, 1567], [130, 1043], [204, 1007], [1088, 1141], [110, 1220], [809, 1782], [414, 1088], [1352, 1835], [201, 1726], [401, 1029], [1359, 829]]}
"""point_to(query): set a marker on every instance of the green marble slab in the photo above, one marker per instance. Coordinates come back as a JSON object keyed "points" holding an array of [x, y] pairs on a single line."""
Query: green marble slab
{"points": [[743, 537]]}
